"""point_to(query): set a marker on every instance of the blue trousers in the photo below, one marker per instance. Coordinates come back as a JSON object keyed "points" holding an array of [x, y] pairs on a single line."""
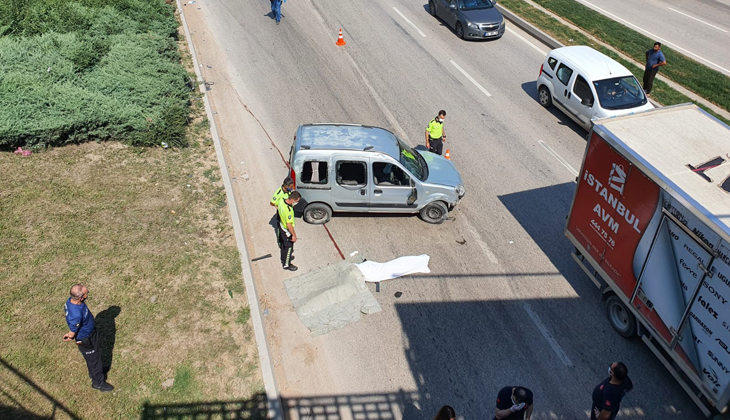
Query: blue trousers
{"points": [[276, 9]]}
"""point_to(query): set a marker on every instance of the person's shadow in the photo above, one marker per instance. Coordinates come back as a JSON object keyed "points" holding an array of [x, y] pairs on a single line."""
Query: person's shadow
{"points": [[106, 326]]}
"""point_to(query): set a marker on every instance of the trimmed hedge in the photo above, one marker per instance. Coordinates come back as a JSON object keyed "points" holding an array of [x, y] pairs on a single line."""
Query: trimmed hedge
{"points": [[90, 70]]}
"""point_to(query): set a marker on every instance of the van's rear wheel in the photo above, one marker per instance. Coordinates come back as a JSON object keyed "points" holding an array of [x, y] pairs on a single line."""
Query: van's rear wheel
{"points": [[317, 213], [543, 95], [621, 319], [434, 213]]}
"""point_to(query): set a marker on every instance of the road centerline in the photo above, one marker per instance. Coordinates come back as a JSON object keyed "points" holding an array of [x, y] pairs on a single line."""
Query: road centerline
{"points": [[546, 334], [558, 157], [409, 21], [471, 79], [698, 20]]}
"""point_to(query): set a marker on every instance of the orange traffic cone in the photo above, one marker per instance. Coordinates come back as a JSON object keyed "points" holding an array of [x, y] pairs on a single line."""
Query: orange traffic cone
{"points": [[340, 40], [447, 155]]}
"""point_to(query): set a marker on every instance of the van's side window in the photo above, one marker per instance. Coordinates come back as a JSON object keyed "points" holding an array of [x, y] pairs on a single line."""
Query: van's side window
{"points": [[387, 174], [314, 172], [581, 88], [552, 62], [564, 72], [352, 173]]}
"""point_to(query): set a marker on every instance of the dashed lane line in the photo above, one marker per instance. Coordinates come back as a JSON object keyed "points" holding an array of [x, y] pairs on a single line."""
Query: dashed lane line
{"points": [[471, 79], [409, 21]]}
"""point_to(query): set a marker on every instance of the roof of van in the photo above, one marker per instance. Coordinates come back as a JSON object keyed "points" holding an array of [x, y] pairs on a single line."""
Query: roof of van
{"points": [[348, 137], [595, 65], [666, 141]]}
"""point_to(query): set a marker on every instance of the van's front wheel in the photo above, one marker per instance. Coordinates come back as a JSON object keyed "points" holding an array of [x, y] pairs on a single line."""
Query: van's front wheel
{"points": [[434, 213], [543, 95], [317, 213]]}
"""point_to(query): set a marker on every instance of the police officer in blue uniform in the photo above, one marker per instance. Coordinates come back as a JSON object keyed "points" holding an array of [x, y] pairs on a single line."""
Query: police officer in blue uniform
{"points": [[81, 330]]}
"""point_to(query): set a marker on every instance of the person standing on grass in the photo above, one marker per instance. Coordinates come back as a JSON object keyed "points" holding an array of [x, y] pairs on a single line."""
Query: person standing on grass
{"points": [[654, 59], [276, 9], [81, 329]]}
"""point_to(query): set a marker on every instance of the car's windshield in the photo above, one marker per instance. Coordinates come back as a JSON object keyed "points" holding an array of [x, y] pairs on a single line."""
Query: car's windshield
{"points": [[620, 93], [413, 161], [475, 4]]}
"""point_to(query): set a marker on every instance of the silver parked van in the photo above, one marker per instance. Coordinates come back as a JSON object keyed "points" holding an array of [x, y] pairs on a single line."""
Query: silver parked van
{"points": [[357, 168]]}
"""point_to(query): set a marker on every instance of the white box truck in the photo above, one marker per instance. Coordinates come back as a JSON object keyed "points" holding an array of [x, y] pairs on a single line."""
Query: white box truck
{"points": [[650, 221]]}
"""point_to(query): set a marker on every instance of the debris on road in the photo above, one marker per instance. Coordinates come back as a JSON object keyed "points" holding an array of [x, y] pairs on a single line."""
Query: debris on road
{"points": [[331, 297]]}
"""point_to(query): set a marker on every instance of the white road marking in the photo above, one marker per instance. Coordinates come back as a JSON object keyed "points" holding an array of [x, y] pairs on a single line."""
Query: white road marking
{"points": [[701, 21], [471, 79], [558, 157], [408, 20], [526, 41], [656, 38], [546, 334]]}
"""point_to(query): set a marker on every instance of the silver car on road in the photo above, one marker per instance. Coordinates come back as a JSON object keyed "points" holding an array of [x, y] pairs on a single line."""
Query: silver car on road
{"points": [[471, 19], [364, 169]]}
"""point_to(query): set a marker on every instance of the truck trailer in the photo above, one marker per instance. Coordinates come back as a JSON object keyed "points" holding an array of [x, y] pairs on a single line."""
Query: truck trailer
{"points": [[650, 222]]}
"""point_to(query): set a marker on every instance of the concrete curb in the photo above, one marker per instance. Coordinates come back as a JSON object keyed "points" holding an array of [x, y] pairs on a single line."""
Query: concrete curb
{"points": [[275, 411], [529, 28]]}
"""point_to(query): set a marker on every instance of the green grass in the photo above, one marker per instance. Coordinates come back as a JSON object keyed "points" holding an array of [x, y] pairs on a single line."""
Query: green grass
{"points": [[158, 257], [662, 92], [707, 83]]}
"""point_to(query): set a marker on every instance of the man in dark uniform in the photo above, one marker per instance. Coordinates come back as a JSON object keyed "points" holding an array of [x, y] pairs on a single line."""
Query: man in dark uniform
{"points": [[608, 394], [287, 235], [435, 136], [81, 329], [514, 403]]}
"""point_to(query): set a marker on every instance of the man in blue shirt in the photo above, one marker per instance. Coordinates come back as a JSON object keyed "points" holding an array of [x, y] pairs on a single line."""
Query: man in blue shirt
{"points": [[81, 329], [654, 60]]}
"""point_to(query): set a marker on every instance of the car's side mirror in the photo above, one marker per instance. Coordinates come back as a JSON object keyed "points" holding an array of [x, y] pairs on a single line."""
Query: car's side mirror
{"points": [[587, 102]]}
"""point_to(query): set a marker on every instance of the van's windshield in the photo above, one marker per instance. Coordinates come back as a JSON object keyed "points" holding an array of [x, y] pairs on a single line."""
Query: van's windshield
{"points": [[620, 93], [413, 161]]}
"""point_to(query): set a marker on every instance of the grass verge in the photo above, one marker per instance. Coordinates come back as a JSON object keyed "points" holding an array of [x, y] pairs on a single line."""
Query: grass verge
{"points": [[662, 92], [146, 231]]}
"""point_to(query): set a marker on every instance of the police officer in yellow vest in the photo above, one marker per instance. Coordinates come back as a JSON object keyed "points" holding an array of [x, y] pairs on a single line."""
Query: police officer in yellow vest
{"points": [[435, 136], [285, 229], [283, 192]]}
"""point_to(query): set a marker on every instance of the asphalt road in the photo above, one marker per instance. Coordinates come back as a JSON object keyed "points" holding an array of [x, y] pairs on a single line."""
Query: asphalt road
{"points": [[700, 29], [507, 307]]}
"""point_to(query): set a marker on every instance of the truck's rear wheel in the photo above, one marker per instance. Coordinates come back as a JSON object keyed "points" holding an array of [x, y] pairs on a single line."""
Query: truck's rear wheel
{"points": [[621, 319]]}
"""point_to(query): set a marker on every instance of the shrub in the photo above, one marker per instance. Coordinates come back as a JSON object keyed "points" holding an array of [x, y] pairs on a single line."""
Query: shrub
{"points": [[90, 70]]}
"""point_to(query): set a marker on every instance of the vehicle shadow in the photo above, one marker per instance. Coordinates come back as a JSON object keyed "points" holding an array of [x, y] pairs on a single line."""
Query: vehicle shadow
{"points": [[530, 88]]}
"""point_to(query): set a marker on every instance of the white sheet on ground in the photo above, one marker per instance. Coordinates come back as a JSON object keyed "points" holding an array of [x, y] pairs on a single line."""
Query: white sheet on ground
{"points": [[403, 266]]}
